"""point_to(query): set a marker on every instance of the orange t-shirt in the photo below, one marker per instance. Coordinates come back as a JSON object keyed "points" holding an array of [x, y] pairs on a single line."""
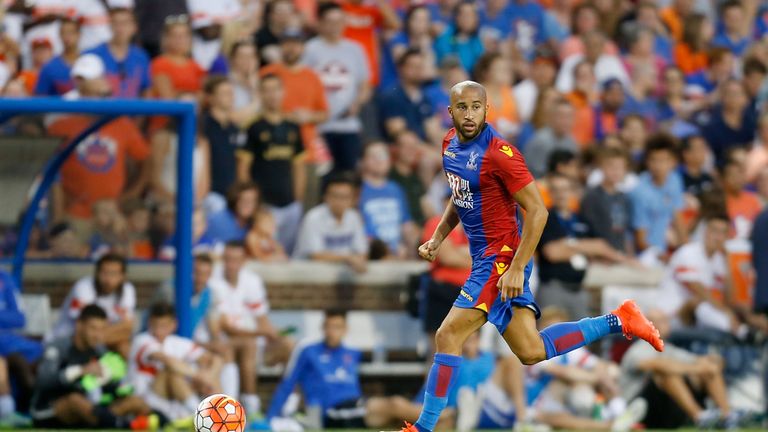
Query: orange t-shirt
{"points": [[362, 23], [673, 21], [96, 170], [746, 205], [506, 111], [185, 77], [450, 275], [29, 77], [303, 90], [574, 205], [583, 119], [688, 61]]}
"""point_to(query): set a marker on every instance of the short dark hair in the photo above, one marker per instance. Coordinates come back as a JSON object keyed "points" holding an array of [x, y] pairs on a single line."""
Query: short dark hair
{"points": [[661, 142], [753, 65], [161, 310], [213, 82], [410, 52], [240, 44], [325, 8], [112, 257], [686, 143], [234, 244], [336, 312], [559, 157], [606, 153], [730, 4], [92, 311], [344, 177], [717, 216], [119, 10], [203, 257]]}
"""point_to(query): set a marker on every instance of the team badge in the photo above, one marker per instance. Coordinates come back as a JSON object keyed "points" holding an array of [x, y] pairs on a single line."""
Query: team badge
{"points": [[472, 162], [507, 150]]}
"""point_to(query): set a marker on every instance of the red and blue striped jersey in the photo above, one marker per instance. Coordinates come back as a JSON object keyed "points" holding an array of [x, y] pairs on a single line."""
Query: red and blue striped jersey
{"points": [[483, 174]]}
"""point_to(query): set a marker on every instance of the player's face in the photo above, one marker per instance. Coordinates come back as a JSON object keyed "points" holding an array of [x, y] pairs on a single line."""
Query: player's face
{"points": [[468, 110], [234, 258], [334, 330], [716, 234], [162, 327], [201, 273], [110, 277], [91, 332]]}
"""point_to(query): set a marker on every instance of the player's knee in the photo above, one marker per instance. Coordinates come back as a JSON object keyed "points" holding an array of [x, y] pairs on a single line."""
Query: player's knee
{"points": [[446, 339]]}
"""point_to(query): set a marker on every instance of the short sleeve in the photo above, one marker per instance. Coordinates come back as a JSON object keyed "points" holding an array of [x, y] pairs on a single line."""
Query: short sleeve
{"points": [[363, 71], [553, 231], [310, 237], [44, 84], [360, 240], [319, 103], [83, 294], [508, 166], [146, 346], [256, 300], [639, 211]]}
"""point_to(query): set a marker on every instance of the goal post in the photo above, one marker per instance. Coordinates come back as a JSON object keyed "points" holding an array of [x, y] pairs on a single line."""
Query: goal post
{"points": [[104, 111]]}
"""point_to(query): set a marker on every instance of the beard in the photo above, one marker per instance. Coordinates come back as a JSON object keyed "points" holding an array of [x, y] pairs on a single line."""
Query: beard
{"points": [[468, 129]]}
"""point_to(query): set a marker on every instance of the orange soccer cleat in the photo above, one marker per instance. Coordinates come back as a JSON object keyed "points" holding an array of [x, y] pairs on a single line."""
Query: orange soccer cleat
{"points": [[634, 323], [409, 428]]}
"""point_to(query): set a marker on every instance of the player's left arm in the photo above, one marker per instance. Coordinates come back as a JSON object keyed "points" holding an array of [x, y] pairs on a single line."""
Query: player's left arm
{"points": [[511, 284]]}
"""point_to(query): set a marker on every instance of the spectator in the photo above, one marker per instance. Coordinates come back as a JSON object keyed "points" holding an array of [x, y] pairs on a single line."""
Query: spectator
{"points": [[670, 381], [566, 248], [585, 19], [691, 52], [416, 35], [542, 76], [675, 105], [274, 159], [127, 65], [108, 289], [462, 37], [704, 85], [606, 66], [208, 20], [405, 108], [234, 222], [75, 370], [674, 15], [582, 98], [605, 208], [109, 229], [451, 73], [262, 240], [495, 17], [64, 243], [383, 204], [405, 174], [556, 136], [334, 231], [223, 135], [641, 97], [607, 111], [18, 354], [528, 27], [244, 65], [42, 53], [447, 273], [757, 160], [137, 217], [169, 372], [240, 312], [328, 373], [304, 102], [743, 205], [658, 199], [734, 33], [633, 135], [153, 15], [693, 169], [495, 73], [648, 17], [759, 242], [364, 22], [279, 17], [174, 71], [55, 78], [347, 85], [642, 58], [99, 169], [565, 163], [754, 72]]}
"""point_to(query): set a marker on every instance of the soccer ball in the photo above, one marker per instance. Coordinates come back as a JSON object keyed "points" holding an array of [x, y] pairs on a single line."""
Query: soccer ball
{"points": [[220, 413]]}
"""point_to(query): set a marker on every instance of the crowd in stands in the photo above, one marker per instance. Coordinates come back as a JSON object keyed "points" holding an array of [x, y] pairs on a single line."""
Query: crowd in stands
{"points": [[319, 128]]}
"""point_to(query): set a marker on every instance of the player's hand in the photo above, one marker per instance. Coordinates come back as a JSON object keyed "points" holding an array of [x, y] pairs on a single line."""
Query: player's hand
{"points": [[510, 284], [428, 250]]}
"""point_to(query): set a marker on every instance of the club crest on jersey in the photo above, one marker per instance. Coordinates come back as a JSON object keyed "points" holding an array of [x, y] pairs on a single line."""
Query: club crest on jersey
{"points": [[507, 150], [472, 162]]}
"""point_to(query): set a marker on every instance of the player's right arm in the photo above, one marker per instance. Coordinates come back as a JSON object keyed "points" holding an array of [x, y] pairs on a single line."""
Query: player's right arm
{"points": [[293, 373], [448, 222]]}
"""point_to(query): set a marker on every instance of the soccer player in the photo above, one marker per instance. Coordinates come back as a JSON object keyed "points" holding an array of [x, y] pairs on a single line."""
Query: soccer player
{"points": [[490, 183]]}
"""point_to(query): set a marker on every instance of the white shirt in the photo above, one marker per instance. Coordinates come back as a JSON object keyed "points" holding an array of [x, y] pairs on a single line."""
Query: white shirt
{"points": [[118, 306], [607, 67], [141, 369], [690, 264], [241, 304], [322, 232], [208, 12], [526, 94]]}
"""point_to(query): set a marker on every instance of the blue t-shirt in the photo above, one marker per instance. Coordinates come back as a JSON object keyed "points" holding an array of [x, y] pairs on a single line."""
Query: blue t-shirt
{"points": [[388, 77], [721, 136], [327, 376], [527, 22], [384, 210], [11, 316], [55, 78], [127, 78], [396, 103], [701, 81], [662, 47], [654, 207], [761, 22], [737, 47], [497, 27], [440, 100], [223, 227], [468, 50]]}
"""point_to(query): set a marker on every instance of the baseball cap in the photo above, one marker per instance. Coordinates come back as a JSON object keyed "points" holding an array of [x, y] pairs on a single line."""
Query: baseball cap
{"points": [[88, 66]]}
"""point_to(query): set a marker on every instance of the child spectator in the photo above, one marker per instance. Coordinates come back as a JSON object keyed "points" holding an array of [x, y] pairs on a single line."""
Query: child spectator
{"points": [[262, 240], [109, 229], [137, 217], [234, 222]]}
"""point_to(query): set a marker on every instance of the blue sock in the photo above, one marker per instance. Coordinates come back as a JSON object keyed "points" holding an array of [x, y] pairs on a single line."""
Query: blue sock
{"points": [[564, 337], [440, 381]]}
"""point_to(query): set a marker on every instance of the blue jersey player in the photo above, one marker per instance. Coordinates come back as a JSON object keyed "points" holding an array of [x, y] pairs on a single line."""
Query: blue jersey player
{"points": [[491, 186]]}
